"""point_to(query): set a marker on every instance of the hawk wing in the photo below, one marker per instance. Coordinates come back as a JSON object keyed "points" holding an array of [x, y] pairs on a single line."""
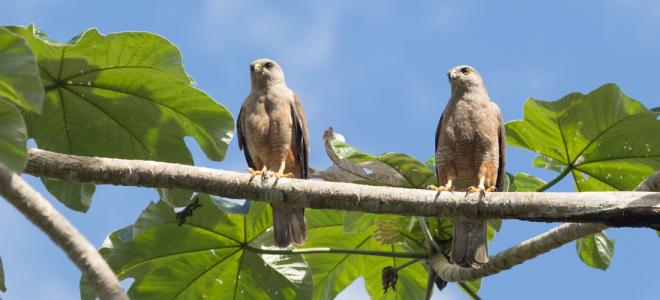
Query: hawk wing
{"points": [[501, 140], [241, 139], [437, 138], [300, 136]]}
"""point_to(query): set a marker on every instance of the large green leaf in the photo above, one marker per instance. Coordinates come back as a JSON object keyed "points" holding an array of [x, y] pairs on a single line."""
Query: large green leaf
{"points": [[13, 135], [332, 273], [123, 95], [3, 288], [19, 73], [214, 255], [607, 140], [20, 86], [596, 250]]}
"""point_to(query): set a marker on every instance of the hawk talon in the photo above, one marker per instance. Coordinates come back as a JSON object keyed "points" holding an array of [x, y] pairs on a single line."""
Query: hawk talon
{"points": [[282, 175], [253, 172]]}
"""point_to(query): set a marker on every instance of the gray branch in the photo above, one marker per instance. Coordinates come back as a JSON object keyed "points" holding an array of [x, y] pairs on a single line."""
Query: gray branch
{"points": [[38, 210], [531, 248], [619, 209]]}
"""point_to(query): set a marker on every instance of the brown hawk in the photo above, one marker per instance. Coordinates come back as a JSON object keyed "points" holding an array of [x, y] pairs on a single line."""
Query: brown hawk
{"points": [[470, 149], [272, 132]]}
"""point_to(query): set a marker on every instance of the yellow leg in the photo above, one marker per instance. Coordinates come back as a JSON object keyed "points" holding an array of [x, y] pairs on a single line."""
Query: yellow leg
{"points": [[446, 187], [256, 173], [280, 172], [481, 188]]}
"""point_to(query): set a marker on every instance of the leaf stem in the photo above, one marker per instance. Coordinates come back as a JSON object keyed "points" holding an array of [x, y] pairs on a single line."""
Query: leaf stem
{"points": [[554, 181], [337, 251], [468, 290], [399, 268]]}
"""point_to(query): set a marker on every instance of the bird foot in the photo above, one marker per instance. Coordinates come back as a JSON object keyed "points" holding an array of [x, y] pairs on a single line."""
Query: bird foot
{"points": [[472, 189], [441, 188], [283, 175], [481, 189], [253, 172]]}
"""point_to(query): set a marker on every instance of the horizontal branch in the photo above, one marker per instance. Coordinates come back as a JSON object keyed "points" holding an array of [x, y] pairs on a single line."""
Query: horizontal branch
{"points": [[618, 209], [38, 210]]}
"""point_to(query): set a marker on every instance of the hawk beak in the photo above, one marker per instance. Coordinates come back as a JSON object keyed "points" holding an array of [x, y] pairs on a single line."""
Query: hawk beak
{"points": [[258, 68], [452, 75]]}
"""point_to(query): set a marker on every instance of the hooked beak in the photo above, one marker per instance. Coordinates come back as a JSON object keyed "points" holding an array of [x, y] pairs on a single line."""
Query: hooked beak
{"points": [[451, 75], [257, 68]]}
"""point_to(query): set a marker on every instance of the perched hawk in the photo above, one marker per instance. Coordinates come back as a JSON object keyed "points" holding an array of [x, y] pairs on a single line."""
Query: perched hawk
{"points": [[272, 132], [469, 150]]}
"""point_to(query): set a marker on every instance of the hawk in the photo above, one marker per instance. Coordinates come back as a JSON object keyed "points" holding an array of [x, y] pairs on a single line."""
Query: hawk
{"points": [[272, 132], [470, 149]]}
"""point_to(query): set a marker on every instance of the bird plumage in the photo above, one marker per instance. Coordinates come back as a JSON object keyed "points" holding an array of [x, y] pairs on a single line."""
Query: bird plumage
{"points": [[272, 132], [470, 149]]}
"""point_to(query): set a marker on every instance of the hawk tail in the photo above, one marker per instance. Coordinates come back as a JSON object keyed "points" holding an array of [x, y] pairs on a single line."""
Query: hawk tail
{"points": [[469, 246], [289, 225]]}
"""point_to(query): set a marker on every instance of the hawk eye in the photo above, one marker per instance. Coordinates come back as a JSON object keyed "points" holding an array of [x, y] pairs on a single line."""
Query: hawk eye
{"points": [[268, 65], [465, 70]]}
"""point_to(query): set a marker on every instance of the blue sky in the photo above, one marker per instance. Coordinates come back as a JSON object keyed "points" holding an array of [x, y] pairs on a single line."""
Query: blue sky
{"points": [[375, 71]]}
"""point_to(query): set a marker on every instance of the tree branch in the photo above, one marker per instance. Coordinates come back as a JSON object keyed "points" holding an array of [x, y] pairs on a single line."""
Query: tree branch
{"points": [[531, 248], [42, 214], [612, 208]]}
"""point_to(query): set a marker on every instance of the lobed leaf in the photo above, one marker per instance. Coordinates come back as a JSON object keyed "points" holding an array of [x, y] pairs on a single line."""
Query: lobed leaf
{"points": [[123, 95], [19, 87], [213, 255]]}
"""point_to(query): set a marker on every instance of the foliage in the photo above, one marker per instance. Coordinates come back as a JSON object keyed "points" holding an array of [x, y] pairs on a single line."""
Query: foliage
{"points": [[605, 139], [127, 95], [19, 87], [214, 254], [123, 95]]}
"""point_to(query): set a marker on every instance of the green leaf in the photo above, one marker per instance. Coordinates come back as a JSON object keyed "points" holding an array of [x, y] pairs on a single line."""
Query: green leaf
{"points": [[596, 250], [332, 273], [123, 95], [19, 73], [214, 255], [13, 137], [20, 86], [3, 288], [608, 140], [523, 182]]}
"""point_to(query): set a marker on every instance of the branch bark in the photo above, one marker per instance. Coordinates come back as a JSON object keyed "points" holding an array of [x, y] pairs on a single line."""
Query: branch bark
{"points": [[42, 214], [617, 209], [531, 248]]}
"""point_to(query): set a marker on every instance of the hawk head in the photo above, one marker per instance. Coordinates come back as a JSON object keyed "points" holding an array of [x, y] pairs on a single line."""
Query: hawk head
{"points": [[266, 71], [464, 77]]}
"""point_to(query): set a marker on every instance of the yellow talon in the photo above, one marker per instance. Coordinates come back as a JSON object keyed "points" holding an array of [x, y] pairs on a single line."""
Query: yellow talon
{"points": [[448, 187], [282, 175], [254, 172]]}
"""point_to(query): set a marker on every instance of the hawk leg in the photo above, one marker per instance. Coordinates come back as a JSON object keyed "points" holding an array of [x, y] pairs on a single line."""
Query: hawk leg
{"points": [[481, 188], [254, 172], [280, 172], [447, 187]]}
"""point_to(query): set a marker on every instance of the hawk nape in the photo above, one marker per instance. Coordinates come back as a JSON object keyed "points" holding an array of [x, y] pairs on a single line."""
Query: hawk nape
{"points": [[469, 150], [272, 132]]}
